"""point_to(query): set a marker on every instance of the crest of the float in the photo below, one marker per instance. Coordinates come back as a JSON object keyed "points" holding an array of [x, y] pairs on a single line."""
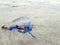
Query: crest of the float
{"points": [[23, 20]]}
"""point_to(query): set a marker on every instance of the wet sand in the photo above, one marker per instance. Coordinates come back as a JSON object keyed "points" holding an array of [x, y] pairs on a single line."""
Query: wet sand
{"points": [[46, 21]]}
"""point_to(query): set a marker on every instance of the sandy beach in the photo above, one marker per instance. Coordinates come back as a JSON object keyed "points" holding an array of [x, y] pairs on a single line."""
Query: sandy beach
{"points": [[46, 20]]}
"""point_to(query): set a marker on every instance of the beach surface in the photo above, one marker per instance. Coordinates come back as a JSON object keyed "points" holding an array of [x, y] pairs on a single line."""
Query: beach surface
{"points": [[45, 17]]}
